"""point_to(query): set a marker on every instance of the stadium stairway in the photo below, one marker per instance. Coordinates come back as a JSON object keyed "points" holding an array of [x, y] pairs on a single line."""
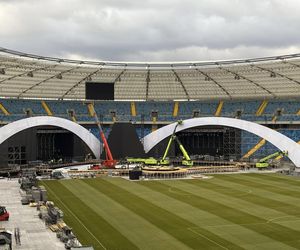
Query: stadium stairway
{"points": [[175, 109], [254, 149], [46, 108], [91, 109], [154, 124], [73, 117], [261, 108], [4, 110], [133, 109], [274, 119], [219, 108]]}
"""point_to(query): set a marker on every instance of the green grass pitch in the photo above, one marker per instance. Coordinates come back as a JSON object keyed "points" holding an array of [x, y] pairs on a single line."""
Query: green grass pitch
{"points": [[233, 211]]}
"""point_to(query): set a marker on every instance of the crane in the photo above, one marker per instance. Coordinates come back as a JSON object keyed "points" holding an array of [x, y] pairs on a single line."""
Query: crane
{"points": [[164, 161], [264, 162], [187, 160], [109, 162]]}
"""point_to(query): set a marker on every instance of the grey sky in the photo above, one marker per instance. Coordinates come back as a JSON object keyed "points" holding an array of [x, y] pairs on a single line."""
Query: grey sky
{"points": [[151, 30]]}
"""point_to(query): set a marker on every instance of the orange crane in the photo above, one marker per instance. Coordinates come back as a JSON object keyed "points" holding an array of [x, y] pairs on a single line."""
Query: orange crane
{"points": [[109, 162]]}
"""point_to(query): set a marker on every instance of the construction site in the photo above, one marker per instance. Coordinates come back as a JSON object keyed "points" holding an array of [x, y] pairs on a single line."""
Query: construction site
{"points": [[27, 203], [112, 155]]}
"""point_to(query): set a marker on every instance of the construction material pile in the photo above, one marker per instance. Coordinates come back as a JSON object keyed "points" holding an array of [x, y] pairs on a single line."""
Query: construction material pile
{"points": [[53, 218], [50, 214], [34, 195]]}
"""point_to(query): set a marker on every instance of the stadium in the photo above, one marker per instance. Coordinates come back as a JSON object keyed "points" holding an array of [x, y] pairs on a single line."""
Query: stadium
{"points": [[230, 115], [150, 96]]}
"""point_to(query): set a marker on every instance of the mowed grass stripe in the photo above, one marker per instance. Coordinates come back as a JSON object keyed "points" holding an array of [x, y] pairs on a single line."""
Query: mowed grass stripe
{"points": [[67, 201], [273, 181], [290, 180], [234, 233], [164, 219], [249, 182], [257, 224], [256, 190], [135, 228], [279, 206]]}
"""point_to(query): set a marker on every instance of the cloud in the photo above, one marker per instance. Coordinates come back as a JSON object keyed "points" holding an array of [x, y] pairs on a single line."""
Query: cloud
{"points": [[151, 29], [195, 53]]}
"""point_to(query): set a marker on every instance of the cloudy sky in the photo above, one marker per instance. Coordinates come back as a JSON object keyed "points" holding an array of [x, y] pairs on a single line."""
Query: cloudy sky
{"points": [[151, 30]]}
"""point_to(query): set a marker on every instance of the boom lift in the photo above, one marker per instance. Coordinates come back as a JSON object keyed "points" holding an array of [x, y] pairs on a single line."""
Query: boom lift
{"points": [[164, 161], [109, 162], [187, 160], [264, 162], [145, 161]]}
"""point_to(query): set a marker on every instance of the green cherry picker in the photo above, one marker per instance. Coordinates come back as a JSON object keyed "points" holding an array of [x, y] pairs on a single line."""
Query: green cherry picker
{"points": [[186, 158], [265, 162], [164, 161]]}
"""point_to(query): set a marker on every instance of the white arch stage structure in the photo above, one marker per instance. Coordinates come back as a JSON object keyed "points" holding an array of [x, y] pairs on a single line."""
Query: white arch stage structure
{"points": [[279, 140], [12, 128]]}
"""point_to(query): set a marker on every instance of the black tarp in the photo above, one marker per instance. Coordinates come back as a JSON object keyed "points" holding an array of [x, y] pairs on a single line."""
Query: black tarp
{"points": [[124, 142]]}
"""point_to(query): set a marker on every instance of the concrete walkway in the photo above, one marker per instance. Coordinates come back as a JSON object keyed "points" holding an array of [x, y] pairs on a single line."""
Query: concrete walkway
{"points": [[34, 234]]}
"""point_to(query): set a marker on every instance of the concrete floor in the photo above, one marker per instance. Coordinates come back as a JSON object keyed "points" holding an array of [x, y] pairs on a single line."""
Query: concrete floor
{"points": [[34, 234]]}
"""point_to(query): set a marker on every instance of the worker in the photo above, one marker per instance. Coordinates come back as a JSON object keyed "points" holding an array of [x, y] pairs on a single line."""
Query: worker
{"points": [[8, 175]]}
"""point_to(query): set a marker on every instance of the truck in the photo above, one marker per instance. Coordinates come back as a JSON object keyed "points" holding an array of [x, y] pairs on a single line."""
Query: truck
{"points": [[4, 215]]}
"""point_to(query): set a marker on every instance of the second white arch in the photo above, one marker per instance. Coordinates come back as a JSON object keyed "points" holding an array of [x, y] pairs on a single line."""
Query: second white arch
{"points": [[279, 140]]}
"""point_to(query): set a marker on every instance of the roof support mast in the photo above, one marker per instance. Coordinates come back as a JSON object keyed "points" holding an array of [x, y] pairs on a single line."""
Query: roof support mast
{"points": [[181, 83], [210, 78]]}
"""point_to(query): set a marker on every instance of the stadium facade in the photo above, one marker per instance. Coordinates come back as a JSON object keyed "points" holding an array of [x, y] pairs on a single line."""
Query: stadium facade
{"points": [[150, 95]]}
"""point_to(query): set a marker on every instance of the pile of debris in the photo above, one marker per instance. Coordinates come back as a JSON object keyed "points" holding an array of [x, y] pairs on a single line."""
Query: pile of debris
{"points": [[28, 178], [49, 213], [36, 196], [53, 218], [31, 193]]}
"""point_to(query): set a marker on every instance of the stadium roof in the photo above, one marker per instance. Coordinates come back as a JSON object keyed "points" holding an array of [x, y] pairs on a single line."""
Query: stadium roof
{"points": [[25, 75]]}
